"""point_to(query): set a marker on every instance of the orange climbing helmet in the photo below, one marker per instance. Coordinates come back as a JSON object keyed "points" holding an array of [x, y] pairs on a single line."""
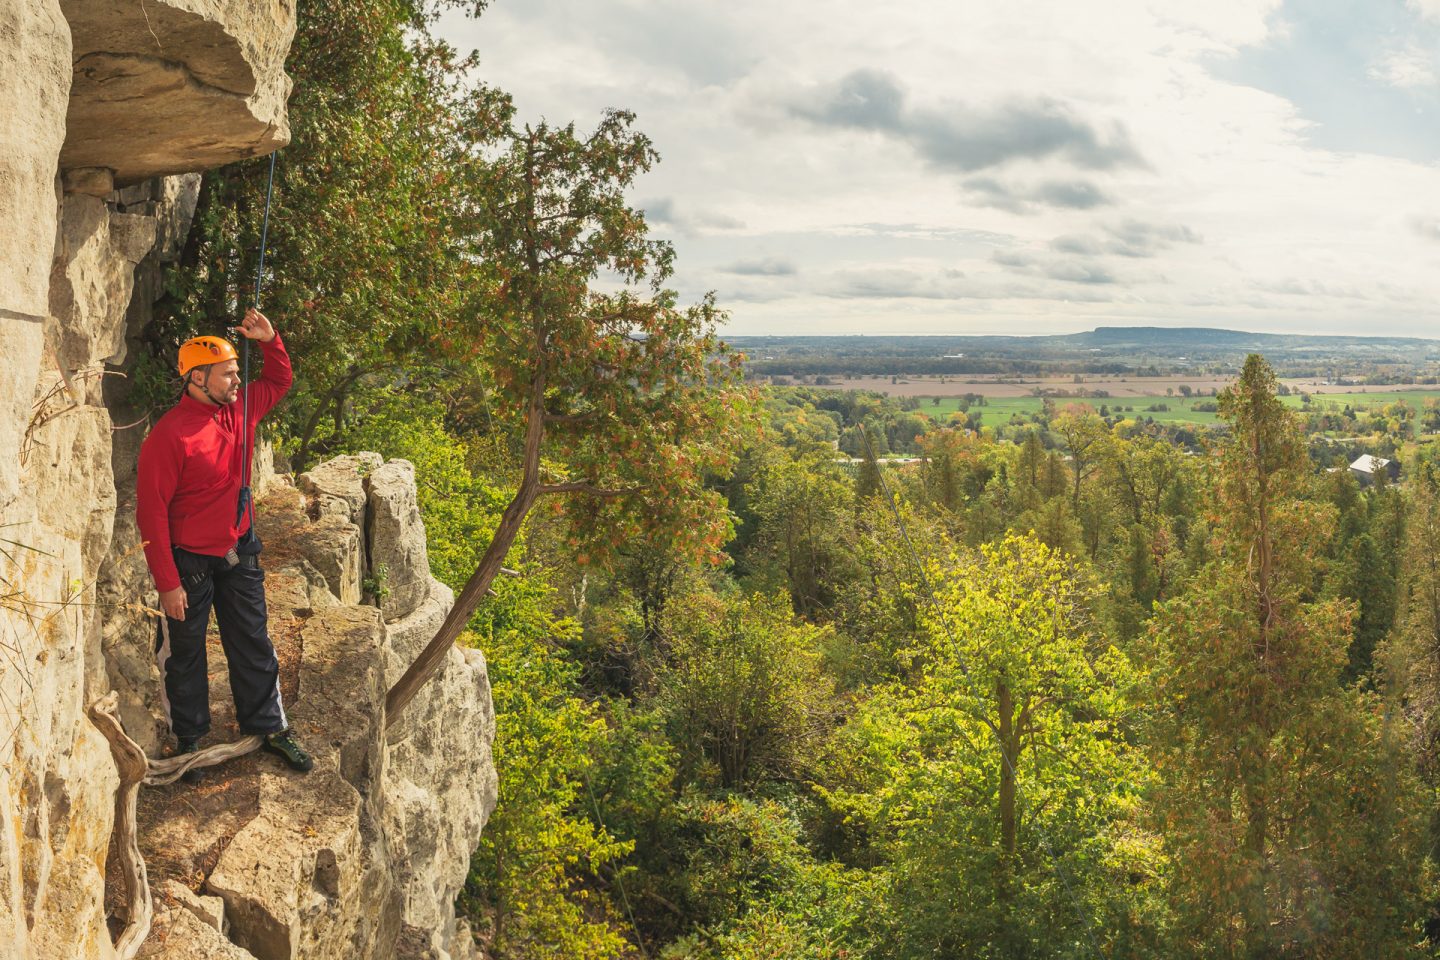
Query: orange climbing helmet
{"points": [[199, 351]]}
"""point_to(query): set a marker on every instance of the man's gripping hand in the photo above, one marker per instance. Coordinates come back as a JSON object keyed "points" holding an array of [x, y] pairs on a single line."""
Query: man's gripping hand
{"points": [[255, 326], [174, 604]]}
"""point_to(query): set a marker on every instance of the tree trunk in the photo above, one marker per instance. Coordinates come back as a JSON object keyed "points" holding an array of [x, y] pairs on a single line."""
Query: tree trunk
{"points": [[334, 394], [478, 585], [1008, 759]]}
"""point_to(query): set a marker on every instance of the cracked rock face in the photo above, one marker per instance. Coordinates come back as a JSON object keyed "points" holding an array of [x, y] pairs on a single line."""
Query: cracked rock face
{"points": [[168, 86], [395, 539], [363, 857]]}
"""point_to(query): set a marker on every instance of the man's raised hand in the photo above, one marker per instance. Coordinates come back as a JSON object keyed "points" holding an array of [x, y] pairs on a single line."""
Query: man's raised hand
{"points": [[255, 326]]}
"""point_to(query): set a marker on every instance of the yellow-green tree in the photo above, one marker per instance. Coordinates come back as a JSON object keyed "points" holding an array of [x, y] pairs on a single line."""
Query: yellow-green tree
{"points": [[1287, 806], [996, 783]]}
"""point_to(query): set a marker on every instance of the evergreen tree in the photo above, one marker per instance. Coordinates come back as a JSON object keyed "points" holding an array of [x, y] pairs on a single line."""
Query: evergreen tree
{"points": [[1286, 804]]}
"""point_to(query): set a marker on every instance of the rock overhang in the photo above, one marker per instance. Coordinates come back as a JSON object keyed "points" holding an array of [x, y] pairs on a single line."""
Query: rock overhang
{"points": [[171, 86]]}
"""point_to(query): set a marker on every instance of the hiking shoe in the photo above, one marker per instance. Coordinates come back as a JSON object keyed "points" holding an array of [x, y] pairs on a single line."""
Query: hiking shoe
{"points": [[190, 745], [292, 753]]}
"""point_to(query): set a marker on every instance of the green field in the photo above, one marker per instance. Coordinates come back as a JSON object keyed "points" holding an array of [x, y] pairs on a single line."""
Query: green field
{"points": [[998, 410]]}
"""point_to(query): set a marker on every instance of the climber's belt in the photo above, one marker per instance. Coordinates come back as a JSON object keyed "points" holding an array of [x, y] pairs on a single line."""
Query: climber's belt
{"points": [[196, 568]]}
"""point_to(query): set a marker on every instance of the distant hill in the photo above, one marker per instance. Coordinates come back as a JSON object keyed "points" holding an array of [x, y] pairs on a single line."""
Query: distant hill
{"points": [[1102, 350], [1214, 338]]}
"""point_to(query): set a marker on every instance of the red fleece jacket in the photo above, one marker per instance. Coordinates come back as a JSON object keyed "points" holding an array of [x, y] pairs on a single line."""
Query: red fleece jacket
{"points": [[190, 470]]}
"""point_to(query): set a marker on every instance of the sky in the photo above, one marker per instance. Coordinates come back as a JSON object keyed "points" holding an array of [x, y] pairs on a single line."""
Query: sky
{"points": [[1015, 166]]}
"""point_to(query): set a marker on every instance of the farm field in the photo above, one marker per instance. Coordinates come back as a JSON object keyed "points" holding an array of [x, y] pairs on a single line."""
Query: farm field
{"points": [[1119, 387], [997, 410]]}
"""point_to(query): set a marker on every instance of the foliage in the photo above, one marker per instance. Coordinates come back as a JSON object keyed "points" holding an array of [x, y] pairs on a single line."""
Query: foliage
{"points": [[1287, 807], [364, 269], [742, 690], [998, 785]]}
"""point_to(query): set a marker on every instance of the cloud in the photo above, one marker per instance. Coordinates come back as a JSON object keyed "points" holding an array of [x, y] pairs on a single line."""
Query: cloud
{"points": [[1013, 258], [1135, 238], [659, 211], [1078, 243], [1069, 194], [764, 267], [1408, 68], [1426, 9], [881, 284], [964, 138], [1070, 269], [1130, 238], [662, 211], [1427, 227], [898, 284], [1078, 271], [1075, 194]]}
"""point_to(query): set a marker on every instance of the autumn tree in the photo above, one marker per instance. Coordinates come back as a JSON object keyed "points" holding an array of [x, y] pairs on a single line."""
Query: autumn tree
{"points": [[744, 693], [867, 477], [1287, 805], [620, 401], [1417, 638], [803, 507], [1086, 437]]}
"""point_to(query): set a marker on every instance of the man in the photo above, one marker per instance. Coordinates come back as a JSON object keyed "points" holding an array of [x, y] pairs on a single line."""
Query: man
{"points": [[200, 546]]}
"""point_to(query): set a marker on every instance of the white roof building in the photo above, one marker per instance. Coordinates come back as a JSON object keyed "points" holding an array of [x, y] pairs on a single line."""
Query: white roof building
{"points": [[1366, 467]]}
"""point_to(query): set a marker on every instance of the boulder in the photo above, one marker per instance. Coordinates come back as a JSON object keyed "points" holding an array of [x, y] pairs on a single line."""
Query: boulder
{"points": [[395, 540], [208, 910], [91, 283], [309, 877], [438, 795], [332, 545], [169, 86], [338, 486], [181, 935]]}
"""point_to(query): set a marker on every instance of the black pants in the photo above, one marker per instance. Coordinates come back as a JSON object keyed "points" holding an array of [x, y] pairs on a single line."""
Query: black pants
{"points": [[238, 596]]}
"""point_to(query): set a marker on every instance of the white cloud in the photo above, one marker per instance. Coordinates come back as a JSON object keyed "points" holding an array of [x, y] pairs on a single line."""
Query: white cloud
{"points": [[1428, 9], [1408, 68], [903, 152]]}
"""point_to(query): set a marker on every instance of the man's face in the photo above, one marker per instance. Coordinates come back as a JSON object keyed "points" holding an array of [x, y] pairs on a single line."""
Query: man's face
{"points": [[222, 380]]}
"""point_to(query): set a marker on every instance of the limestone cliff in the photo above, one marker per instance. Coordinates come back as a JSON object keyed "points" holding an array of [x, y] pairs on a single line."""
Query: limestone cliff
{"points": [[111, 110], [362, 857]]}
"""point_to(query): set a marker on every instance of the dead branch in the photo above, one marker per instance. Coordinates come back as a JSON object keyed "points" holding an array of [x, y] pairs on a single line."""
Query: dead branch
{"points": [[131, 764], [135, 768]]}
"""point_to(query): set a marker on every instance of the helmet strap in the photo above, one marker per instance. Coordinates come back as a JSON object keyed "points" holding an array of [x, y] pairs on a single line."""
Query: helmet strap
{"points": [[204, 385]]}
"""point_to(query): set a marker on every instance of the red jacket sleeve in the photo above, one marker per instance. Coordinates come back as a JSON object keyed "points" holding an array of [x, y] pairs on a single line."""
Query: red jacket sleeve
{"points": [[274, 381], [158, 475]]}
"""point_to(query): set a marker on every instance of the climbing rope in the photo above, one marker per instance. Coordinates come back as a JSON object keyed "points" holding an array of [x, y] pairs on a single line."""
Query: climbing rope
{"points": [[246, 437]]}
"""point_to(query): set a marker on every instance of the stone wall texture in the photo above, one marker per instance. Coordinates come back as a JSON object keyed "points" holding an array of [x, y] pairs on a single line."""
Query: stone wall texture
{"points": [[111, 111]]}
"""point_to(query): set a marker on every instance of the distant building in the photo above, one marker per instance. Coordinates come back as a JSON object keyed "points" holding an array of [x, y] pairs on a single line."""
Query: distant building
{"points": [[1365, 466]]}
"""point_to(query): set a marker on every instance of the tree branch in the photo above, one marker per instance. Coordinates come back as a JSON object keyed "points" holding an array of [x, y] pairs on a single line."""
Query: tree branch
{"points": [[584, 486], [571, 417]]}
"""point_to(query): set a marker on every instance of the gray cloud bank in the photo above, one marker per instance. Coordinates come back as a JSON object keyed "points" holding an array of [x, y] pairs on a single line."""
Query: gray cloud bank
{"points": [[965, 138]]}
